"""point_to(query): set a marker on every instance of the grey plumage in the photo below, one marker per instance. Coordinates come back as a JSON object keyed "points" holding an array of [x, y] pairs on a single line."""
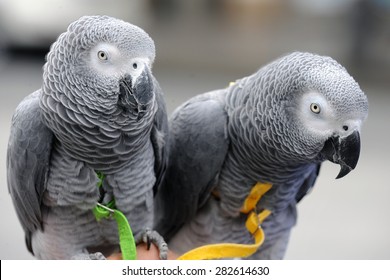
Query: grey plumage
{"points": [[99, 110], [274, 126]]}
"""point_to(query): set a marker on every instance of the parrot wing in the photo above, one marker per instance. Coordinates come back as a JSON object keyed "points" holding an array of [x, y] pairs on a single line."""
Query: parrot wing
{"points": [[160, 138], [197, 148], [308, 184], [28, 157]]}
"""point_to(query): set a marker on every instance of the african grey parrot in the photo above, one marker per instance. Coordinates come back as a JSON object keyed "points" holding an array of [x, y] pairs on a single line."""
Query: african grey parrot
{"points": [[99, 111], [276, 127]]}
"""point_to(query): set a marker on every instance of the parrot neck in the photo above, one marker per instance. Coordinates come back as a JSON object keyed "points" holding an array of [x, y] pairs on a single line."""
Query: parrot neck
{"points": [[259, 166], [95, 139], [240, 173]]}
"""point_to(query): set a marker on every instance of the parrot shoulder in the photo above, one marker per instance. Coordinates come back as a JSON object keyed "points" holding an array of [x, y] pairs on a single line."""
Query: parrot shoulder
{"points": [[160, 138], [28, 157], [308, 183]]}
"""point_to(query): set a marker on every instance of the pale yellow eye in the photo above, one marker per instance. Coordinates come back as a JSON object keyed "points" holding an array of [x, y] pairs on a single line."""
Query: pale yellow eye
{"points": [[102, 55], [315, 108]]}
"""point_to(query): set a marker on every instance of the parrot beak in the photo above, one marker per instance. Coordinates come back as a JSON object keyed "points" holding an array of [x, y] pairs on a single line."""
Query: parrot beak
{"points": [[143, 87], [136, 94], [344, 151]]}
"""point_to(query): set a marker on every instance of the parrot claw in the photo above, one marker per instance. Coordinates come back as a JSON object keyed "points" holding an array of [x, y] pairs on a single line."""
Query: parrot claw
{"points": [[85, 256], [148, 242], [150, 236]]}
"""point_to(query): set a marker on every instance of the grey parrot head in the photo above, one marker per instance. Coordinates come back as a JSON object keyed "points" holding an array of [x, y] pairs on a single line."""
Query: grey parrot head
{"points": [[104, 64], [320, 109]]}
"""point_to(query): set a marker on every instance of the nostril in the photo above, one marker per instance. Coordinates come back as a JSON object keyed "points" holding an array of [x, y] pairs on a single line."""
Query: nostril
{"points": [[345, 127]]}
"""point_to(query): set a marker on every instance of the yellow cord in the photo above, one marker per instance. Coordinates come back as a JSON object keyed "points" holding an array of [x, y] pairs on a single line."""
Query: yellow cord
{"points": [[253, 222]]}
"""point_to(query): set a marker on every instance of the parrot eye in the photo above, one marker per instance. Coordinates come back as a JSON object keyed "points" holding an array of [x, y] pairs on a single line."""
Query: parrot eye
{"points": [[135, 65], [102, 55], [315, 108]]}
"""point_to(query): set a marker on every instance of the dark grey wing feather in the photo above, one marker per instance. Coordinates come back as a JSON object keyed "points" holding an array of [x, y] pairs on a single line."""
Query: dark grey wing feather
{"points": [[159, 138], [308, 184], [197, 148], [277, 228], [28, 158]]}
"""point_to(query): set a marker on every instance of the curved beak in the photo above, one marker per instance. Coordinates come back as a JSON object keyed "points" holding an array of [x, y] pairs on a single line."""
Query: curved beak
{"points": [[344, 151], [143, 87], [137, 93]]}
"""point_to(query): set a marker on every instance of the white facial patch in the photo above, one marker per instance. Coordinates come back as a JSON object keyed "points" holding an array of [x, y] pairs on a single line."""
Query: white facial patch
{"points": [[109, 61], [315, 113]]}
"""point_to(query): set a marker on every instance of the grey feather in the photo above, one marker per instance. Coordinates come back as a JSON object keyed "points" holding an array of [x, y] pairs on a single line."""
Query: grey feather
{"points": [[278, 125], [160, 140], [99, 109], [28, 157], [191, 126]]}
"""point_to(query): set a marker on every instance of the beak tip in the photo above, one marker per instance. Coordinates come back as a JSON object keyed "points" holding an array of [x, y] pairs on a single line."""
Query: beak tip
{"points": [[344, 151], [345, 169]]}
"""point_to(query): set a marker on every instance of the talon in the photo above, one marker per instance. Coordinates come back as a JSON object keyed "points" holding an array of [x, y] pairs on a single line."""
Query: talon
{"points": [[146, 236], [150, 236], [148, 242], [163, 251]]}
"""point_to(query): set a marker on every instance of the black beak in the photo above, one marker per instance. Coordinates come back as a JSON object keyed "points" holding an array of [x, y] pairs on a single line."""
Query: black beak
{"points": [[139, 94], [143, 87], [126, 92], [344, 151]]}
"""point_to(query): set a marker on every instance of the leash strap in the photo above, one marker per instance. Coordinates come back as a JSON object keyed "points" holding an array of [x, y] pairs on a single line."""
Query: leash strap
{"points": [[126, 238], [253, 225]]}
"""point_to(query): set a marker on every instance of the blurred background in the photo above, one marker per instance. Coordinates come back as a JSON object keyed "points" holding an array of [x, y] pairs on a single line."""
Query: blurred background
{"points": [[203, 45]]}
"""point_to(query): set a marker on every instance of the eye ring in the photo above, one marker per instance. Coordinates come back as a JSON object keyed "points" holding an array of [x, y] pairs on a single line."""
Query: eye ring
{"points": [[315, 108], [102, 55]]}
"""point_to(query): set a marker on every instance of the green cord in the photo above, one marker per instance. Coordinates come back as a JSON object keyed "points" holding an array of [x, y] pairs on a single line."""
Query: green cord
{"points": [[126, 238], [101, 177]]}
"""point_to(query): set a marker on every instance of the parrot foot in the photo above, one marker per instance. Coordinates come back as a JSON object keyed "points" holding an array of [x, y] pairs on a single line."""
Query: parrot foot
{"points": [[86, 256], [150, 236]]}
